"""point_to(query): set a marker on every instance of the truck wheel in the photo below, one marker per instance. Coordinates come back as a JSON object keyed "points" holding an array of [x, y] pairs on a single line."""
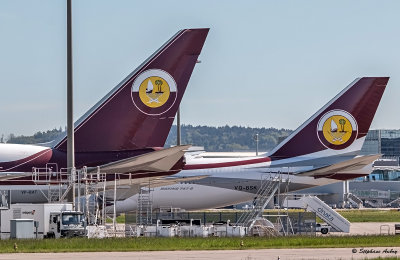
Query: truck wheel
{"points": [[324, 231]]}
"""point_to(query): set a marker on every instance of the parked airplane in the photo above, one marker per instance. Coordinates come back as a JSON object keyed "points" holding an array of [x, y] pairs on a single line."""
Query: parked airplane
{"points": [[323, 150], [125, 131]]}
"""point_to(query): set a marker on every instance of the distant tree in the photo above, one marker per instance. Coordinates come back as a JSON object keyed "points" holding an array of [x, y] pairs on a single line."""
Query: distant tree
{"points": [[218, 139], [38, 137], [227, 138]]}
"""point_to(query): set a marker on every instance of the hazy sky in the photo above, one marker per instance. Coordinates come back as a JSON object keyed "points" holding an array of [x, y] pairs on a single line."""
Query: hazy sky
{"points": [[264, 63]]}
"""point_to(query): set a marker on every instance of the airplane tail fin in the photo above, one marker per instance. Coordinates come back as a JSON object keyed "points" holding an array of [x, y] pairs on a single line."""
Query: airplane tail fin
{"points": [[140, 110], [339, 127]]}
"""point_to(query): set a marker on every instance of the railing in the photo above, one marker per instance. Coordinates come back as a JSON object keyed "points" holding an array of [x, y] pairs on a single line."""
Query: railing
{"points": [[269, 186], [50, 174], [144, 212], [60, 181]]}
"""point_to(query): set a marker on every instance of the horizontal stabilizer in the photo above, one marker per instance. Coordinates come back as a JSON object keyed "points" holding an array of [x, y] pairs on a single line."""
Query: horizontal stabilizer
{"points": [[157, 161], [338, 168], [13, 175]]}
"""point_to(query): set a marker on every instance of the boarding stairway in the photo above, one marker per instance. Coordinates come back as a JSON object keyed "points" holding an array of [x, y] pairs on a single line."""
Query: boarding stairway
{"points": [[353, 199], [322, 210], [269, 186], [94, 192], [375, 203], [144, 207], [396, 201]]}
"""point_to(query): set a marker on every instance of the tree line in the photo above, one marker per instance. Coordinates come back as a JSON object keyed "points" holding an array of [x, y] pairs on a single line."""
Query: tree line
{"points": [[213, 139], [38, 137], [228, 138]]}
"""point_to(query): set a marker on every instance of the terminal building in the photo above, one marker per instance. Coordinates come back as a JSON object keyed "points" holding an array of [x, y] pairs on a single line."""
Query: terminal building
{"points": [[387, 143], [381, 188]]}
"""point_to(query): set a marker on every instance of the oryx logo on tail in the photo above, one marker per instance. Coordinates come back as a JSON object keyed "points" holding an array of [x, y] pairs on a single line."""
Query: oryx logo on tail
{"points": [[154, 92], [337, 129]]}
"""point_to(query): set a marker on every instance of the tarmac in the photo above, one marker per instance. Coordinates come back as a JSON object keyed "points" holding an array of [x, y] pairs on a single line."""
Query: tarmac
{"points": [[368, 228], [372, 228], [270, 254]]}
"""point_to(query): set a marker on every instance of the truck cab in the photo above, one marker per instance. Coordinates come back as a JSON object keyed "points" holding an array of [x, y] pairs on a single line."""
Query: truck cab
{"points": [[66, 224]]}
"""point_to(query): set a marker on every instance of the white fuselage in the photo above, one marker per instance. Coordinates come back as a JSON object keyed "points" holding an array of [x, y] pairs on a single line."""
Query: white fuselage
{"points": [[223, 186], [226, 181]]}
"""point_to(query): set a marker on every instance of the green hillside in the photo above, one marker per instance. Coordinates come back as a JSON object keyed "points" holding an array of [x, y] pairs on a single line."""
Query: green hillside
{"points": [[213, 139], [228, 138]]}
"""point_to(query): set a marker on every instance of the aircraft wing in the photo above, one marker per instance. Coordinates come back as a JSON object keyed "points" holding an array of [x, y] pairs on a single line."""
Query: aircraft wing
{"points": [[157, 161], [127, 188], [342, 167]]}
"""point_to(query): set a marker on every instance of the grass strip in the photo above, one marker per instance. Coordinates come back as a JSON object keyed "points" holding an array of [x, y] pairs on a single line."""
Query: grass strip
{"points": [[371, 215], [353, 215], [162, 244]]}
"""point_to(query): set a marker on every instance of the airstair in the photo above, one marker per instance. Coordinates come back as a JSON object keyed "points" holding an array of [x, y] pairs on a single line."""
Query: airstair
{"points": [[394, 202], [323, 211], [269, 186], [353, 199], [375, 203], [94, 183], [144, 207]]}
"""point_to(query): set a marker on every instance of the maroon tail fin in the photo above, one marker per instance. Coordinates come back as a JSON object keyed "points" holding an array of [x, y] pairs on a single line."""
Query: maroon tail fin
{"points": [[338, 128], [139, 111]]}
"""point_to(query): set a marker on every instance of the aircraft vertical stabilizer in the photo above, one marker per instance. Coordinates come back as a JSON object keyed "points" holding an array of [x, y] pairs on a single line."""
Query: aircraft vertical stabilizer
{"points": [[340, 126], [139, 112]]}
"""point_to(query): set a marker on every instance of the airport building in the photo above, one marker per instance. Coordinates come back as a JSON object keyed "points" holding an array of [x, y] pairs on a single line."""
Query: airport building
{"points": [[387, 143]]}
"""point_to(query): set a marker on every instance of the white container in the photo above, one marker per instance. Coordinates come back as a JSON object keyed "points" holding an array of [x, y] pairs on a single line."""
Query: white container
{"points": [[150, 231], [166, 231], [228, 231], [236, 231], [22, 228], [200, 231], [218, 231], [96, 231]]}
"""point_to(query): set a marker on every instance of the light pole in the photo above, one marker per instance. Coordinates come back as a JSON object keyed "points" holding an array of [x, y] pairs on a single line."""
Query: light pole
{"points": [[70, 111], [256, 139]]}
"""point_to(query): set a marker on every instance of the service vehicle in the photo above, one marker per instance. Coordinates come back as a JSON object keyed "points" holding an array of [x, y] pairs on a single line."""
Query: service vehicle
{"points": [[55, 220]]}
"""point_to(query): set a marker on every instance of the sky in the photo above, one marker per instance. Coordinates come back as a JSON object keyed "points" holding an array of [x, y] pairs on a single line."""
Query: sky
{"points": [[264, 63]]}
